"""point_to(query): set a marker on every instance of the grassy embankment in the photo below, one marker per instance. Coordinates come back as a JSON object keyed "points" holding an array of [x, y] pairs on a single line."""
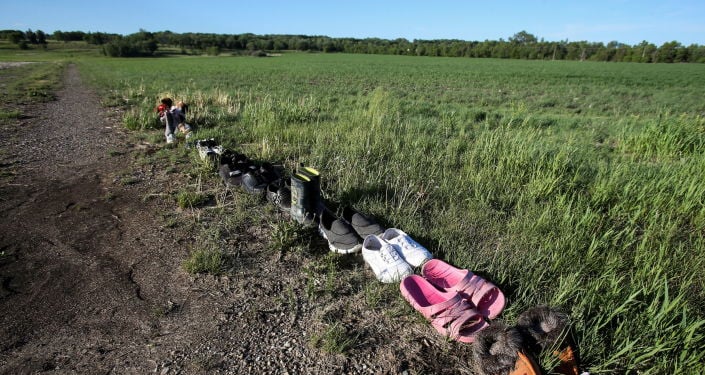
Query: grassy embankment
{"points": [[577, 185]]}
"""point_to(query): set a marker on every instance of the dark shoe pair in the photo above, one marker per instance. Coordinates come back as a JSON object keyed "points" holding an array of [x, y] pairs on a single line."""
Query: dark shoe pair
{"points": [[362, 224], [256, 181], [236, 160], [233, 168], [232, 176], [340, 235]]}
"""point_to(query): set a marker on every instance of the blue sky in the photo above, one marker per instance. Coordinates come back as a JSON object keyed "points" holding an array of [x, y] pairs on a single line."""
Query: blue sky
{"points": [[626, 21]]}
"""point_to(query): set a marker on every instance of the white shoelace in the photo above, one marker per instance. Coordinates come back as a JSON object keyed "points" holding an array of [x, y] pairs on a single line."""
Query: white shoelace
{"points": [[389, 256]]}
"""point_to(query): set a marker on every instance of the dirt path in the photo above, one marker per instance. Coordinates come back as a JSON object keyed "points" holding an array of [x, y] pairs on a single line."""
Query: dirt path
{"points": [[87, 265], [91, 279]]}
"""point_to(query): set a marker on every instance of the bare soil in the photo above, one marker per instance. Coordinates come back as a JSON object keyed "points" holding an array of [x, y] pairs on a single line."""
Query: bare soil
{"points": [[91, 276]]}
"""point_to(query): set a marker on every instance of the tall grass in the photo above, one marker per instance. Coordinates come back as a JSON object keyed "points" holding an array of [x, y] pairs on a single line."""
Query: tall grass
{"points": [[578, 185]]}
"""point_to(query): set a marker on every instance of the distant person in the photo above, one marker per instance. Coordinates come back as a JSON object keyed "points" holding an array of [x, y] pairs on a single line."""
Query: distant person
{"points": [[179, 112], [174, 118], [166, 116]]}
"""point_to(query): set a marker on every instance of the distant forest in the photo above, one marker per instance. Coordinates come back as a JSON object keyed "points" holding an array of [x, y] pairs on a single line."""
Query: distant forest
{"points": [[521, 45]]}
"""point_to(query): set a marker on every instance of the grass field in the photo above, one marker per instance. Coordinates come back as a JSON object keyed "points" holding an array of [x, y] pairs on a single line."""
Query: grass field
{"points": [[578, 185]]}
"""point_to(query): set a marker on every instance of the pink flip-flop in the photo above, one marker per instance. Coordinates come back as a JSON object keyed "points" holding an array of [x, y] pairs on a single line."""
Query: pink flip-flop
{"points": [[483, 295], [448, 312]]}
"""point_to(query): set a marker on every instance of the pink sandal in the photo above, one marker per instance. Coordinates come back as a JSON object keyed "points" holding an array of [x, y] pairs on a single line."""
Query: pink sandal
{"points": [[448, 312], [483, 295]]}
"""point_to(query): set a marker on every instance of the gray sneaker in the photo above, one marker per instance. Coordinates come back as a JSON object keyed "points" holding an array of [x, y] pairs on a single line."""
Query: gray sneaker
{"points": [[363, 225], [340, 235]]}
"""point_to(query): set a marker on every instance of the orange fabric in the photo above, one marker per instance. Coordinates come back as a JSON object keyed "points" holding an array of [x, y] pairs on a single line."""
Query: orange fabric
{"points": [[525, 366], [568, 365]]}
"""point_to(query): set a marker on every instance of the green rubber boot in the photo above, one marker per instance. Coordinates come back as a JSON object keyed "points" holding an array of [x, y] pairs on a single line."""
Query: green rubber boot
{"points": [[305, 198]]}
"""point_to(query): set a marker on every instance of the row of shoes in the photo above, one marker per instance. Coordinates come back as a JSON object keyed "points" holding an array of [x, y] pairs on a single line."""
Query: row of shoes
{"points": [[458, 303]]}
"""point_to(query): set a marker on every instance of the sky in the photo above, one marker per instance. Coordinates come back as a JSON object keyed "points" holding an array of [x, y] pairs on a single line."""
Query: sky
{"points": [[625, 21]]}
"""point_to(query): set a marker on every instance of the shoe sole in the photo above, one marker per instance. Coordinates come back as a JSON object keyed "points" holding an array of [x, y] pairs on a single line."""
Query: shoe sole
{"points": [[354, 249]]}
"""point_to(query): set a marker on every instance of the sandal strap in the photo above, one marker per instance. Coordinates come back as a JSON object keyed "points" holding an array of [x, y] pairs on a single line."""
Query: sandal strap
{"points": [[473, 287], [445, 305], [456, 314]]}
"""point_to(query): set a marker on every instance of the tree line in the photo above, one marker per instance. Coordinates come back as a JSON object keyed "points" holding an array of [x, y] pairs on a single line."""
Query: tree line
{"points": [[522, 45]]}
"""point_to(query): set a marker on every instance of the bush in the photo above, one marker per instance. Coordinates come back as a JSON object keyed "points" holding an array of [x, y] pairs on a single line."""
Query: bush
{"points": [[125, 48], [213, 51]]}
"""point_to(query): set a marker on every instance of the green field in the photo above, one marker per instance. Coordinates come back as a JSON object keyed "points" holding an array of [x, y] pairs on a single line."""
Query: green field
{"points": [[574, 184]]}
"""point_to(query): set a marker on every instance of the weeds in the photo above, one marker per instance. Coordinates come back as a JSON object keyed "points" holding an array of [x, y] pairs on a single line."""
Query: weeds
{"points": [[335, 339], [191, 199], [205, 261]]}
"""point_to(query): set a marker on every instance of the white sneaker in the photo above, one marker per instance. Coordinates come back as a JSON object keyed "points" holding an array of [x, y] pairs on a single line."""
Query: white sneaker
{"points": [[384, 260], [170, 138], [218, 149], [410, 250], [205, 148]]}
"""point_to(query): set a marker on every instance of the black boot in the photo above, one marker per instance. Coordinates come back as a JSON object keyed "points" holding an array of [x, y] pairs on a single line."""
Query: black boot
{"points": [[315, 188], [303, 199]]}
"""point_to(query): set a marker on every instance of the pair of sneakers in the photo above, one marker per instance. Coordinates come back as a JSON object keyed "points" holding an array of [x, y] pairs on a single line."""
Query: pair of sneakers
{"points": [[345, 233], [339, 233], [393, 255], [208, 148]]}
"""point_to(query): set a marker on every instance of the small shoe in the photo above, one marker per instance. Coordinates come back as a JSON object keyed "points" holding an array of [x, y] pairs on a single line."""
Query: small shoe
{"points": [[363, 225], [254, 183], [340, 235], [269, 172], [231, 177], [218, 149], [449, 313], [384, 260], [170, 138], [204, 147], [410, 250], [484, 295], [280, 195]]}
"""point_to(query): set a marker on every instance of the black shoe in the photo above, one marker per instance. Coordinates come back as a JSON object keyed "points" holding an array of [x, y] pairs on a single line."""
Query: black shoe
{"points": [[280, 195], [269, 172], [231, 177], [363, 225], [254, 183], [340, 235]]}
